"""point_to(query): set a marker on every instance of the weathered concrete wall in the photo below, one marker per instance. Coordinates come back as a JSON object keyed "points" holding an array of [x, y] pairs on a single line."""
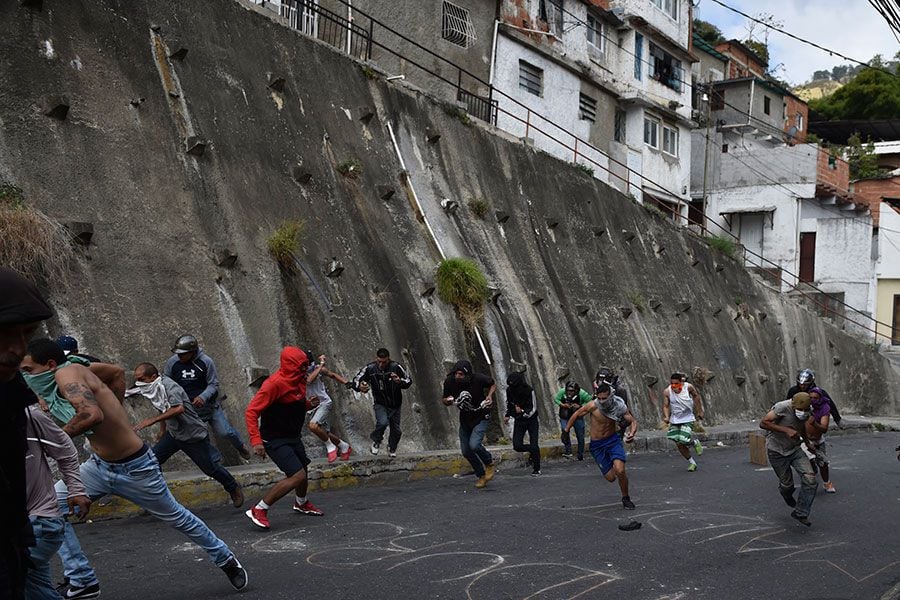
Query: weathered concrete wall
{"points": [[570, 263]]}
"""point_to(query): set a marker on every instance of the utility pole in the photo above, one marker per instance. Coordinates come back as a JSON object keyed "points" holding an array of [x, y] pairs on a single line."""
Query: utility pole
{"points": [[708, 95]]}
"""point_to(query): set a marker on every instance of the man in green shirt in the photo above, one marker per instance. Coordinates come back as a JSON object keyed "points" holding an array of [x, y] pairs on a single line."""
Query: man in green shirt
{"points": [[569, 399]]}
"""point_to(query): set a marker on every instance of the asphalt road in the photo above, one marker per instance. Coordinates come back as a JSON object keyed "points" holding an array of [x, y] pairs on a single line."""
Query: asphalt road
{"points": [[722, 532]]}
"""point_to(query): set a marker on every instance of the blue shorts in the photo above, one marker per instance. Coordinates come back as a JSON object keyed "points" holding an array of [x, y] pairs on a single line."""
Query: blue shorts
{"points": [[607, 450], [288, 454]]}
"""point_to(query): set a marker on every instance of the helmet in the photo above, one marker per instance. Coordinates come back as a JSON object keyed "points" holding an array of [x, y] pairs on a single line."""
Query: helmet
{"points": [[572, 389], [185, 344], [604, 374], [67, 343], [806, 376]]}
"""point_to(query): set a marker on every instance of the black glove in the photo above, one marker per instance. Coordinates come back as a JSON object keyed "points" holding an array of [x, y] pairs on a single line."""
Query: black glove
{"points": [[349, 385]]}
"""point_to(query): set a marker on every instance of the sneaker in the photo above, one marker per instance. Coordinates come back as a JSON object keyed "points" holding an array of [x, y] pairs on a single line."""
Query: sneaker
{"points": [[829, 488], [237, 497], [692, 467], [481, 482], [489, 472], [801, 520], [259, 517], [236, 573], [535, 473], [392, 453], [581, 457], [244, 452], [375, 447], [308, 508], [567, 455], [627, 504], [346, 455], [332, 455], [71, 591], [698, 447], [789, 498], [528, 461]]}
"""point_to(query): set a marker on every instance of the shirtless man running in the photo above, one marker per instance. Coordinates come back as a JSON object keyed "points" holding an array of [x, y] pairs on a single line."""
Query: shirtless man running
{"points": [[121, 463], [606, 445]]}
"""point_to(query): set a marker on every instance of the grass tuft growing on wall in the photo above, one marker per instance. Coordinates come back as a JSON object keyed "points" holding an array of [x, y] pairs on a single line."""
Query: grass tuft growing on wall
{"points": [[461, 284], [284, 243]]}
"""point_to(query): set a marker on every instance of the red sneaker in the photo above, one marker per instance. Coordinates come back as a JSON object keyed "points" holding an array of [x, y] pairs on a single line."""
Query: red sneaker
{"points": [[332, 455], [346, 455], [259, 517], [308, 508]]}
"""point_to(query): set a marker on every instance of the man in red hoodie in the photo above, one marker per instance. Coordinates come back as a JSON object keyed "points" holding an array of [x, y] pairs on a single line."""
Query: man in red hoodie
{"points": [[275, 419]]}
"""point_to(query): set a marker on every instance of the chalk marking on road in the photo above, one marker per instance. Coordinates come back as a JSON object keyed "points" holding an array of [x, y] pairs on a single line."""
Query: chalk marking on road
{"points": [[498, 560], [732, 533], [292, 545], [589, 573], [781, 546], [848, 573]]}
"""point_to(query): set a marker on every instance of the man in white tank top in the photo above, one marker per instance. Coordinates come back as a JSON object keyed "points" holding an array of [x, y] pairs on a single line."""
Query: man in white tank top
{"points": [[681, 405]]}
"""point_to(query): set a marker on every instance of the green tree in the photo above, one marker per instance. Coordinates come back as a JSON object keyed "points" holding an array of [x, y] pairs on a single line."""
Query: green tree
{"points": [[761, 49], [872, 94], [709, 32], [861, 158]]}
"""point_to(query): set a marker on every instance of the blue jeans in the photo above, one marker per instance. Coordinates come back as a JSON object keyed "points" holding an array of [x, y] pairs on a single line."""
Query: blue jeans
{"points": [[384, 417], [222, 427], [782, 466], [470, 443], [139, 480], [566, 439], [201, 452], [48, 533]]}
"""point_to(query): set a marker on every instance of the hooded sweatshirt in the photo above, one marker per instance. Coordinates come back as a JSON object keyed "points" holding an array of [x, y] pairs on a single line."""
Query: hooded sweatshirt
{"points": [[468, 393], [519, 393], [278, 409]]}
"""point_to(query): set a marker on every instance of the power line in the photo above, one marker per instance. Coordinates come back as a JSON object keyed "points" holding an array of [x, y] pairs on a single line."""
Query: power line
{"points": [[805, 41], [886, 11]]}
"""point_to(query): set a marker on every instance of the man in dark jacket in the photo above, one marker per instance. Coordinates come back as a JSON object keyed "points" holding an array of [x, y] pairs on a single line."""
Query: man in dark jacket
{"points": [[387, 380], [21, 310], [521, 405], [806, 380], [473, 395], [194, 371]]}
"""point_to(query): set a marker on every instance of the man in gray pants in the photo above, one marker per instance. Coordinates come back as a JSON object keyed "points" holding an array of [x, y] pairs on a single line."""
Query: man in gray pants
{"points": [[785, 431]]}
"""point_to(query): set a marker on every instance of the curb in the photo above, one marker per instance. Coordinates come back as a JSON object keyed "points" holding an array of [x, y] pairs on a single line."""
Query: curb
{"points": [[195, 490]]}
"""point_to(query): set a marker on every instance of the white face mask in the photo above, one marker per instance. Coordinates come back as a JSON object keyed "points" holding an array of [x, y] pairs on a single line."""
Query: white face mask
{"points": [[801, 414]]}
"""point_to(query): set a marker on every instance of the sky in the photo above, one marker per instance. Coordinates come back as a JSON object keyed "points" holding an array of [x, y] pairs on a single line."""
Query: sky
{"points": [[851, 27]]}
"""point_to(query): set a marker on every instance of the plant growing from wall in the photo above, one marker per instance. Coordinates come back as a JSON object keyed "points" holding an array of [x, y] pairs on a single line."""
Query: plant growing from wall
{"points": [[369, 72], [723, 245], [32, 243], [584, 168], [479, 207], [350, 168], [284, 243], [461, 284], [459, 114], [637, 299]]}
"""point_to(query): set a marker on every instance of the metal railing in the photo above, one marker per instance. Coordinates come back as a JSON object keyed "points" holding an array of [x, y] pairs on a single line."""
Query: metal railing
{"points": [[313, 20], [487, 108]]}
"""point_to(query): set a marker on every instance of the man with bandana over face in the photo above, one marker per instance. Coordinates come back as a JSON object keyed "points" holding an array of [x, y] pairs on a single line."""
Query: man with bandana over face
{"points": [[473, 395], [607, 412], [21, 311], [784, 425], [681, 405]]}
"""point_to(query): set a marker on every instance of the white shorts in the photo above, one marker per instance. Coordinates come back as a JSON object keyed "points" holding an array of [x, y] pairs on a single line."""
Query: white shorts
{"points": [[322, 411]]}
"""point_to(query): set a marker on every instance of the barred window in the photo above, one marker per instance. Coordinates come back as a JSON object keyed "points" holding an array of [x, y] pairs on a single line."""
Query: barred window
{"points": [[456, 26], [531, 78]]}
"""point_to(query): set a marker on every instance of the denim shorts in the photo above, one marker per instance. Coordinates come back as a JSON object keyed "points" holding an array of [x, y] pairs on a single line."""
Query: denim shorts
{"points": [[288, 454]]}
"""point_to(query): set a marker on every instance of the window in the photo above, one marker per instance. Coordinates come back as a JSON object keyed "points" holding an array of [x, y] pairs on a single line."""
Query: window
{"points": [[717, 99], [799, 121], [666, 68], [619, 126], [531, 78], [670, 7], [724, 148], [767, 105], [638, 55], [587, 108], [670, 141], [651, 132], [551, 12], [456, 26], [595, 34]]}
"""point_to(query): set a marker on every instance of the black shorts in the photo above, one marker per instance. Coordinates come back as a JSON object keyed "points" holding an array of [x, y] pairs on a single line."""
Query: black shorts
{"points": [[288, 454]]}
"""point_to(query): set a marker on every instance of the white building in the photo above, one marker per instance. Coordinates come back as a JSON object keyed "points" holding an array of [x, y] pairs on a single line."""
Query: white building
{"points": [[613, 78]]}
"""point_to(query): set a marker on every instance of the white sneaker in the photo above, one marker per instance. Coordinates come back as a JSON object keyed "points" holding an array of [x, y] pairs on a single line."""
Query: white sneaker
{"points": [[375, 447], [392, 453]]}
